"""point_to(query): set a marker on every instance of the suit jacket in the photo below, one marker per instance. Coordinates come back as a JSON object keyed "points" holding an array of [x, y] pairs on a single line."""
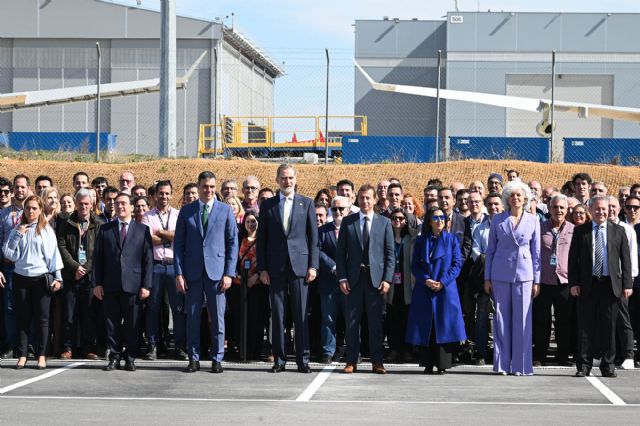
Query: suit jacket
{"points": [[299, 245], [127, 267], [408, 279], [327, 242], [581, 259], [215, 253], [513, 255], [382, 256], [68, 234], [457, 226]]}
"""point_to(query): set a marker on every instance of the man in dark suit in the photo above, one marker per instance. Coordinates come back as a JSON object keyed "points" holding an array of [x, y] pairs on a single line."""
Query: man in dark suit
{"points": [[455, 221], [122, 277], [365, 262], [287, 255], [205, 254], [599, 274], [332, 301]]}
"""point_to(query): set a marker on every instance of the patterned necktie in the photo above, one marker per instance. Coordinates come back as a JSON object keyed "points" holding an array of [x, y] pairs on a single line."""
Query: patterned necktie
{"points": [[598, 264], [205, 218], [123, 232]]}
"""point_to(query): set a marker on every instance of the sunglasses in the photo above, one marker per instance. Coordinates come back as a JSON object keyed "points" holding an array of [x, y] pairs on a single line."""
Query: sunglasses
{"points": [[398, 219], [5, 191], [630, 207], [338, 209], [439, 218]]}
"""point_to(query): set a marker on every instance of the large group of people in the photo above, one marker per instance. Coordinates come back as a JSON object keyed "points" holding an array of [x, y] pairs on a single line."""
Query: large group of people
{"points": [[466, 274]]}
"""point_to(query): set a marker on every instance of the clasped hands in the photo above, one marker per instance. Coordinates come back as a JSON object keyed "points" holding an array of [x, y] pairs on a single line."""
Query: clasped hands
{"points": [[433, 285]]}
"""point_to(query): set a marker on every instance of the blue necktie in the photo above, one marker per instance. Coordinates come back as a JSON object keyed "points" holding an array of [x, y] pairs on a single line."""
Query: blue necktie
{"points": [[598, 264]]}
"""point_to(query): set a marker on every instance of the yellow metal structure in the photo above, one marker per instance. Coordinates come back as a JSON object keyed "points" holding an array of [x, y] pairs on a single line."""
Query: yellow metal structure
{"points": [[275, 132]]}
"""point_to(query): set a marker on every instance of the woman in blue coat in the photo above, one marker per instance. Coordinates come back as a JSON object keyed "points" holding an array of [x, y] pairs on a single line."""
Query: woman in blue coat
{"points": [[435, 318]]}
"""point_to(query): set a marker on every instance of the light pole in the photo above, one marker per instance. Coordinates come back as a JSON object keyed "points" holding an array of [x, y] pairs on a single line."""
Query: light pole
{"points": [[98, 105], [168, 79]]}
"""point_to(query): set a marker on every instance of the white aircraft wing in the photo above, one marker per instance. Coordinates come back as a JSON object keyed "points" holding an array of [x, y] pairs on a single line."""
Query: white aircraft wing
{"points": [[38, 98], [528, 104]]}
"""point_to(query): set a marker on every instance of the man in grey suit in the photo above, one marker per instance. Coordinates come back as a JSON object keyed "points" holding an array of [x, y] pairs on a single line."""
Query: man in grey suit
{"points": [[205, 254], [288, 260], [365, 261]]}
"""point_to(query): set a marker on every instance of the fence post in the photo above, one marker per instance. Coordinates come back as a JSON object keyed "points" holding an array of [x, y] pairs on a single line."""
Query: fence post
{"points": [[438, 108]]}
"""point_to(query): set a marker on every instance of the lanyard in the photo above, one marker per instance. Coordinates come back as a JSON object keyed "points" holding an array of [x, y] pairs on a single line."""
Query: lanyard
{"points": [[164, 226], [398, 250], [555, 234]]}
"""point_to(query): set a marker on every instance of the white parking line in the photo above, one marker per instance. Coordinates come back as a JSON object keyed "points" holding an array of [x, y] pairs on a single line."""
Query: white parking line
{"points": [[313, 387], [604, 390], [39, 378]]}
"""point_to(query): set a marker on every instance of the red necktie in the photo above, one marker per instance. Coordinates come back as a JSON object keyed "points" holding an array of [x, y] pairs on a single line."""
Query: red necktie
{"points": [[123, 232]]}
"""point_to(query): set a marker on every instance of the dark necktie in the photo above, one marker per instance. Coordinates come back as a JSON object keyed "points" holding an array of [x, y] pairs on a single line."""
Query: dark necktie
{"points": [[205, 218], [123, 232], [598, 264], [365, 241]]}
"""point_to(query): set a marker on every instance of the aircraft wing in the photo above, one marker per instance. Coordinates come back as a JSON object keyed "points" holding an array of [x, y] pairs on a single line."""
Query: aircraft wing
{"points": [[527, 104], [38, 98]]}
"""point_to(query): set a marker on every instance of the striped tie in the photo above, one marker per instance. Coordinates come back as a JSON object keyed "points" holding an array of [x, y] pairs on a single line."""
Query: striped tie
{"points": [[598, 264]]}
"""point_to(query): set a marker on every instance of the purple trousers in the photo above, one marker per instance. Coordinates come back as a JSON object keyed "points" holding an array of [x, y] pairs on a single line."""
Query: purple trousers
{"points": [[512, 350]]}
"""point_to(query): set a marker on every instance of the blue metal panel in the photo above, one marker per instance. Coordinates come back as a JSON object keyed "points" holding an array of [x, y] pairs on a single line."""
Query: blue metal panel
{"points": [[604, 151], [495, 148], [396, 149], [61, 141]]}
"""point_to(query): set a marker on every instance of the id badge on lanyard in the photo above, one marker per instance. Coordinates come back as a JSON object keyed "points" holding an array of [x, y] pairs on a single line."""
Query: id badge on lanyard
{"points": [[82, 255], [397, 278]]}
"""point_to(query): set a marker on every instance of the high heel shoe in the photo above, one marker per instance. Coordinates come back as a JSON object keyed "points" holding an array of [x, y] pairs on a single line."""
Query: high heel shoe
{"points": [[21, 366], [42, 365]]}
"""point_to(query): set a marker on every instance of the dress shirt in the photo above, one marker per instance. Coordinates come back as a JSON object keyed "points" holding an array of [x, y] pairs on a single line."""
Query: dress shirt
{"points": [[201, 204], [120, 222], [605, 256], [550, 274], [479, 236], [169, 219], [362, 222], [633, 245], [284, 199], [34, 255]]}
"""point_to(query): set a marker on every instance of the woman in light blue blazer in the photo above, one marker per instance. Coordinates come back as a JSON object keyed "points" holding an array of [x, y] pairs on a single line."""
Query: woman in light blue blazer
{"points": [[512, 276]]}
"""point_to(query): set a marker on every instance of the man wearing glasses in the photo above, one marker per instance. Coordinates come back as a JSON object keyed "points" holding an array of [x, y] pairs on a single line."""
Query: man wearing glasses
{"points": [[5, 192], [632, 210], [332, 301], [127, 181], [229, 188], [250, 190]]}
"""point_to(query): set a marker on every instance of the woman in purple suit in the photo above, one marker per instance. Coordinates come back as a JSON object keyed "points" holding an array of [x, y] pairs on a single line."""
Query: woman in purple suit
{"points": [[512, 274], [435, 321]]}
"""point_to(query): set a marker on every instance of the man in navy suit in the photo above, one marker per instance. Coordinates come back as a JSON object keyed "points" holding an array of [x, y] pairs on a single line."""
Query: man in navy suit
{"points": [[122, 277], [205, 255], [332, 301], [365, 262], [287, 254]]}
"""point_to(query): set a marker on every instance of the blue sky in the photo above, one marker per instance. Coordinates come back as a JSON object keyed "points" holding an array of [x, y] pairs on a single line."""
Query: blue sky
{"points": [[295, 33]]}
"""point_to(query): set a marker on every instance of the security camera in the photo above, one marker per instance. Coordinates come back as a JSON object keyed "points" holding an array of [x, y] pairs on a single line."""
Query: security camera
{"points": [[544, 127]]}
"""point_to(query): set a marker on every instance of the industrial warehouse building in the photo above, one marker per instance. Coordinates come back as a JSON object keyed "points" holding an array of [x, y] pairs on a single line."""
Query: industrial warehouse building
{"points": [[48, 44], [598, 61]]}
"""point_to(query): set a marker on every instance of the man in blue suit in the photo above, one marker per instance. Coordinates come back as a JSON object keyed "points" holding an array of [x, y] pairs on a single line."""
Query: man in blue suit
{"points": [[122, 277], [287, 255], [365, 262], [205, 256], [332, 301]]}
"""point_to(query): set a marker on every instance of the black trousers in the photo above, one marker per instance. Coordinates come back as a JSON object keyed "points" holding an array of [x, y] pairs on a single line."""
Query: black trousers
{"points": [[624, 331], [122, 314], [436, 355], [257, 318], [364, 298], [32, 302], [396, 318], [634, 311], [597, 315], [558, 296], [77, 315]]}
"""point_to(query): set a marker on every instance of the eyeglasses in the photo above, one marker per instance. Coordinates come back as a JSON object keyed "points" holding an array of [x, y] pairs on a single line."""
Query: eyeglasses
{"points": [[578, 212], [398, 219], [339, 209], [5, 191], [250, 188], [439, 218], [630, 207]]}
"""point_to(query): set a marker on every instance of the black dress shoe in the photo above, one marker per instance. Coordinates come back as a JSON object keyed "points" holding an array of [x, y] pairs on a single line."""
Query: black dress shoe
{"points": [[180, 355], [325, 359], [277, 368], [152, 354], [611, 374], [130, 366], [304, 368], [192, 367], [442, 372], [113, 364], [216, 367]]}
